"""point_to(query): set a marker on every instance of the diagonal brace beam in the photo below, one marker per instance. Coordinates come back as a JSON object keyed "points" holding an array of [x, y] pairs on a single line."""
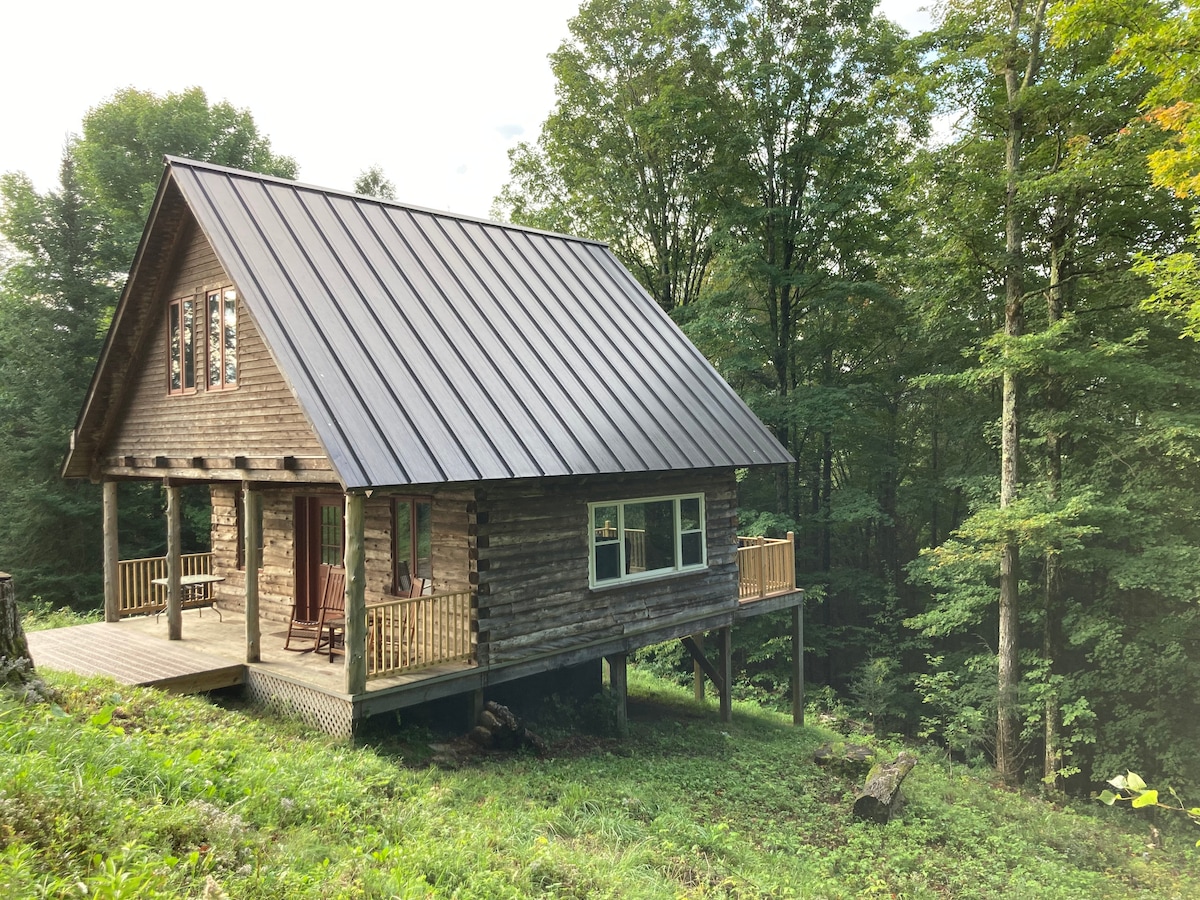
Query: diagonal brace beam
{"points": [[702, 661]]}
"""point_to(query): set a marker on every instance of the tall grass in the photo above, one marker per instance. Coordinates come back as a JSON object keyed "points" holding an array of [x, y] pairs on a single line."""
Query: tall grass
{"points": [[131, 793]]}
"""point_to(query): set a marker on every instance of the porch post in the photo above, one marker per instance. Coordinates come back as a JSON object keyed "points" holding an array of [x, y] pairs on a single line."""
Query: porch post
{"points": [[356, 596], [251, 534], [618, 682], [726, 686], [112, 586], [174, 564], [798, 663]]}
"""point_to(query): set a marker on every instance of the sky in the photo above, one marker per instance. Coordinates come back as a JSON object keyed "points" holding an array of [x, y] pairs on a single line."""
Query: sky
{"points": [[435, 94]]}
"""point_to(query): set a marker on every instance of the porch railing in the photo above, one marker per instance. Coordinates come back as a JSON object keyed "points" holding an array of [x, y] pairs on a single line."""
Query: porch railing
{"points": [[766, 566], [412, 633], [137, 596]]}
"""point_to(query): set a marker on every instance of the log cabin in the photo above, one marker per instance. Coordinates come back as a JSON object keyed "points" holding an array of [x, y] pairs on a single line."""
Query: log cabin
{"points": [[498, 415]]}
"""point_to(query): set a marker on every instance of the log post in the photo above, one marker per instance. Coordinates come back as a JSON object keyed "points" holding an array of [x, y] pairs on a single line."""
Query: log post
{"points": [[762, 566], [725, 636], [252, 536], [356, 595], [174, 564], [791, 558], [618, 682], [698, 670], [881, 798], [798, 663], [112, 584]]}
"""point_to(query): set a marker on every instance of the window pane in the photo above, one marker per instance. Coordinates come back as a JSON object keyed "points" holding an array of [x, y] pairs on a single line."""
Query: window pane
{"points": [[604, 521], [214, 340], [649, 536], [689, 514], [331, 535], [693, 548], [608, 561], [424, 546], [230, 336], [173, 338], [189, 352]]}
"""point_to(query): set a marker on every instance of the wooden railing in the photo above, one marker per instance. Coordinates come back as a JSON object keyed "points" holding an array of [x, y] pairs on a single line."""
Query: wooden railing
{"points": [[766, 566], [137, 596], [412, 633]]}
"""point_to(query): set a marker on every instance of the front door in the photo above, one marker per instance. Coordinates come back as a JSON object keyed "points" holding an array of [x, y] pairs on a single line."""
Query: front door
{"points": [[320, 538]]}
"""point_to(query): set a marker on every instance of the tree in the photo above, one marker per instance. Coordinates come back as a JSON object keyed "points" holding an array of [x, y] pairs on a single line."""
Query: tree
{"points": [[631, 153], [372, 182], [71, 246]]}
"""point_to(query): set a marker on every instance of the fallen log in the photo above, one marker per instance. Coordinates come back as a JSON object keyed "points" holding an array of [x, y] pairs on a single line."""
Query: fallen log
{"points": [[881, 799]]}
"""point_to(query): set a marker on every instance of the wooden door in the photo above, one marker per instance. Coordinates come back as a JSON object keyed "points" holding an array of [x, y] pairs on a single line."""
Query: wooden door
{"points": [[320, 538]]}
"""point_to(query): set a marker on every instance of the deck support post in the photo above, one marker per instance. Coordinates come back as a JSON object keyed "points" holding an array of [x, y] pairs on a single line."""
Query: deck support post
{"points": [[798, 663], [618, 683], [726, 667], [356, 596], [252, 536], [174, 563], [112, 586], [698, 670]]}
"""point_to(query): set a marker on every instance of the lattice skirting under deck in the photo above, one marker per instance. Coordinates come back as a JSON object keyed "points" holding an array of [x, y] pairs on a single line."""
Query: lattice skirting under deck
{"points": [[332, 715]]}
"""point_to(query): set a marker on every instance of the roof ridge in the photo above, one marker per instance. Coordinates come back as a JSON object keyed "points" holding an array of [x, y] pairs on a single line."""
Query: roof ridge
{"points": [[184, 161]]}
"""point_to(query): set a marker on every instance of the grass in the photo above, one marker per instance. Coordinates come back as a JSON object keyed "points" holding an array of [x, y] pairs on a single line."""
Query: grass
{"points": [[119, 793]]}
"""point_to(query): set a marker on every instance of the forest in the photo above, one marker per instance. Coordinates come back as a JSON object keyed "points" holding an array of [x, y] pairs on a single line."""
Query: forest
{"points": [[954, 273]]}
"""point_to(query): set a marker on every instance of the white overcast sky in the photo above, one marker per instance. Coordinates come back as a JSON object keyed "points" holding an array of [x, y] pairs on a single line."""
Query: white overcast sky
{"points": [[435, 93]]}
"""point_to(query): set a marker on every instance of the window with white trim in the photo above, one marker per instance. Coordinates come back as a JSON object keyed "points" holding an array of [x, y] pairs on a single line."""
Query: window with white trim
{"points": [[645, 538]]}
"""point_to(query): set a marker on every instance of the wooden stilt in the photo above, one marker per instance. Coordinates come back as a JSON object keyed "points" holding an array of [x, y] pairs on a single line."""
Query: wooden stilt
{"points": [[174, 564], [112, 587], [618, 681], [474, 708], [726, 667], [798, 664], [251, 534], [356, 596], [698, 670]]}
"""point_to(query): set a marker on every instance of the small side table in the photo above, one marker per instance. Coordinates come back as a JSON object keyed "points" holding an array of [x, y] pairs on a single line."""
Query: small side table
{"points": [[335, 626]]}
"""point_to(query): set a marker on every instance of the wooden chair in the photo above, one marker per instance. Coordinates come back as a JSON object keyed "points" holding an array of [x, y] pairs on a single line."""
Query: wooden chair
{"points": [[331, 587], [332, 623]]}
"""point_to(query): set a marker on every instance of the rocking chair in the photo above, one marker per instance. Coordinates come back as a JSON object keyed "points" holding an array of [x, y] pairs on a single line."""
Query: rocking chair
{"points": [[309, 631]]}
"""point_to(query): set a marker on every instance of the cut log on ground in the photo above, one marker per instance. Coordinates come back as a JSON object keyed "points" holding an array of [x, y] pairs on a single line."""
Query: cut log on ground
{"points": [[880, 799], [846, 759]]}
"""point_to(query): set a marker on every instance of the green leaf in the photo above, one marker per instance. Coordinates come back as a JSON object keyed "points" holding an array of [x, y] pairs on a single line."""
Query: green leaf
{"points": [[104, 716], [1118, 782], [1135, 783], [1145, 798], [195, 756], [1107, 797]]}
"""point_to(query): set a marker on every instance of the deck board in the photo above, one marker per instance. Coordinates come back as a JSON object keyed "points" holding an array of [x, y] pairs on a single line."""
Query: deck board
{"points": [[133, 656]]}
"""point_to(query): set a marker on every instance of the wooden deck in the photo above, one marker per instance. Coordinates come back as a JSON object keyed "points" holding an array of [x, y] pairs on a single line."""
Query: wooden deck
{"points": [[136, 651]]}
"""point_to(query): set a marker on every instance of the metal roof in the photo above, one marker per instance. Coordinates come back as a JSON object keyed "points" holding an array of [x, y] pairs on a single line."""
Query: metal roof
{"points": [[427, 347]]}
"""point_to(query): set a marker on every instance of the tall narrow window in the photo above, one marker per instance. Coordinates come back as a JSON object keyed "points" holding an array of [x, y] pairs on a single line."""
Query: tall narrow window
{"points": [[412, 542], [181, 351], [222, 339]]}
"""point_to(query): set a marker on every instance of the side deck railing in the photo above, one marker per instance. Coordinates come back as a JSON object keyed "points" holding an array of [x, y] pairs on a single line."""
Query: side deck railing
{"points": [[136, 593], [766, 566], [409, 633]]}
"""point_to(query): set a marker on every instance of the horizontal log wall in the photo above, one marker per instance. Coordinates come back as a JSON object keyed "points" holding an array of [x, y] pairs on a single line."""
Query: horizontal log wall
{"points": [[277, 579], [259, 418], [532, 548]]}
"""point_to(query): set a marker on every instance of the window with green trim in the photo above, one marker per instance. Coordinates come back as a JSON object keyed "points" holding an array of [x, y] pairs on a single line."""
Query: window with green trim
{"points": [[645, 538]]}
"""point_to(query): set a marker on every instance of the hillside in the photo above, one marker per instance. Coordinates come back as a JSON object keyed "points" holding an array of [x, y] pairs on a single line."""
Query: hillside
{"points": [[130, 793]]}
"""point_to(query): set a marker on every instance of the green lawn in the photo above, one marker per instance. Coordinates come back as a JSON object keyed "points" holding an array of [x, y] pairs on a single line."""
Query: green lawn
{"points": [[131, 793]]}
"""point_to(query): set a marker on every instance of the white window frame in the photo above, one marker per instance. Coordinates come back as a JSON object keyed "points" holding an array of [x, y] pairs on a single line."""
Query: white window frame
{"points": [[677, 569]]}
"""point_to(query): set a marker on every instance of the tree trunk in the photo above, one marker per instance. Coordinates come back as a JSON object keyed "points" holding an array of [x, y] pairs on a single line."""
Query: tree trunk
{"points": [[1008, 645], [881, 798]]}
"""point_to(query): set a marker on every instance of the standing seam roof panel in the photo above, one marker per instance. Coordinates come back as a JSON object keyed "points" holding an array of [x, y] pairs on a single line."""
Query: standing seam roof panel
{"points": [[538, 353]]}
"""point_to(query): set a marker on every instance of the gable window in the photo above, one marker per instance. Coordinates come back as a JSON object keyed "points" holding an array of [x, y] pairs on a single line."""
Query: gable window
{"points": [[644, 538], [181, 351], [412, 540], [221, 316]]}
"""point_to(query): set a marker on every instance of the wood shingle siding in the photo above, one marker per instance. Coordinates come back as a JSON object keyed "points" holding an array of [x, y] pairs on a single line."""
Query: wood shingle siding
{"points": [[259, 419]]}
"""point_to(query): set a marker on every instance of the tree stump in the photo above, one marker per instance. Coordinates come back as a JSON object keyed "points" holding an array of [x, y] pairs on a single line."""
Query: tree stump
{"points": [[881, 798], [16, 668]]}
